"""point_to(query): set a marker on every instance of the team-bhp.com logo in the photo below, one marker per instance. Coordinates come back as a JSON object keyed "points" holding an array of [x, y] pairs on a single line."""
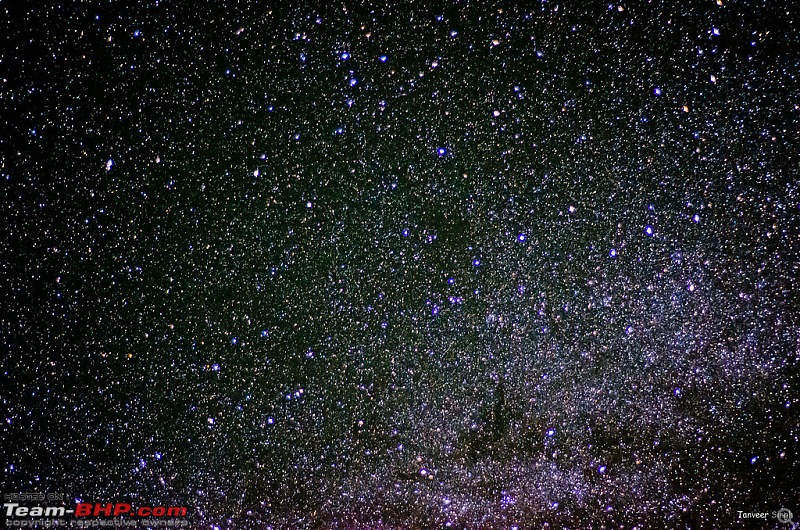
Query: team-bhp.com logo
{"points": [[86, 509], [36, 513]]}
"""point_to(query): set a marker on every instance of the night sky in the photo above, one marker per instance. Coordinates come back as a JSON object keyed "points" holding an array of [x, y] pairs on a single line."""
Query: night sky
{"points": [[471, 265]]}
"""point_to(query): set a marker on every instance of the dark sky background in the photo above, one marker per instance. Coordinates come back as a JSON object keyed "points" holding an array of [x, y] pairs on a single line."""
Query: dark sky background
{"points": [[471, 265]]}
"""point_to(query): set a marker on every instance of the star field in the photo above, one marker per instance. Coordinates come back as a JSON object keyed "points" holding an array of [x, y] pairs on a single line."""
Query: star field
{"points": [[477, 265]]}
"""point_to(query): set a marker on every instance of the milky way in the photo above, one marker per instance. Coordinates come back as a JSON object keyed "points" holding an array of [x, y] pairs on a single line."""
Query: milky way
{"points": [[472, 266]]}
